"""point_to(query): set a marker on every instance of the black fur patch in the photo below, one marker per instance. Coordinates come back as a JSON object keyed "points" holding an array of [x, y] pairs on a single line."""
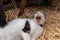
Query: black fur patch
{"points": [[27, 27], [41, 25]]}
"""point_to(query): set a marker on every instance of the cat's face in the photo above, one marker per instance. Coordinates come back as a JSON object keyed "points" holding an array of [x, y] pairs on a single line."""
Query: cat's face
{"points": [[39, 18]]}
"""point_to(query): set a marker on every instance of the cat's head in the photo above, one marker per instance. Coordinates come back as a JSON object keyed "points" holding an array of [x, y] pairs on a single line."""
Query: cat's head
{"points": [[39, 18]]}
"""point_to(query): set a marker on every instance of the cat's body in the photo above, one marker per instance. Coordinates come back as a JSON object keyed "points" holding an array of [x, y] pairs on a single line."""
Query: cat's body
{"points": [[13, 31], [18, 29]]}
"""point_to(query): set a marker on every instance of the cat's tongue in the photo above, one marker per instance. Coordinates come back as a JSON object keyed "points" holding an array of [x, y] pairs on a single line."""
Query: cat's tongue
{"points": [[38, 19]]}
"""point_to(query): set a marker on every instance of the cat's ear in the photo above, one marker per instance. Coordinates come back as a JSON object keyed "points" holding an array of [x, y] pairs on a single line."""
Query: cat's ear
{"points": [[44, 15]]}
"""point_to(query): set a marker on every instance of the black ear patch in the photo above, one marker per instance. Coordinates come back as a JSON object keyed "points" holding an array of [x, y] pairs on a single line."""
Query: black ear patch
{"points": [[27, 27]]}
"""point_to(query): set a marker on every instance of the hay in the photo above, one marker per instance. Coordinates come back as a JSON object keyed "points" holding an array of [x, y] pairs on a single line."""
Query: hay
{"points": [[51, 26], [11, 14]]}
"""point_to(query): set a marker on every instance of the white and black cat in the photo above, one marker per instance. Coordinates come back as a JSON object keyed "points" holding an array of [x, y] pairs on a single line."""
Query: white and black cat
{"points": [[26, 29]]}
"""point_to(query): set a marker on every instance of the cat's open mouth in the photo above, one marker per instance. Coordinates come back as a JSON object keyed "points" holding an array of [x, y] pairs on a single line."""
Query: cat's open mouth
{"points": [[38, 18]]}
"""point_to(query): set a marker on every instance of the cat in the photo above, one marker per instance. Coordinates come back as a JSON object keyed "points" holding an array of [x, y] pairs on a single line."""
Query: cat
{"points": [[23, 29]]}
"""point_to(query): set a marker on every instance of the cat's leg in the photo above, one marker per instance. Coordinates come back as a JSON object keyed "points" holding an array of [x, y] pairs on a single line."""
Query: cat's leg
{"points": [[26, 36], [36, 34]]}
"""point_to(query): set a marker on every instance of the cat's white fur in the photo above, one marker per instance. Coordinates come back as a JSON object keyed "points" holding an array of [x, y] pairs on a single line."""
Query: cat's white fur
{"points": [[13, 30]]}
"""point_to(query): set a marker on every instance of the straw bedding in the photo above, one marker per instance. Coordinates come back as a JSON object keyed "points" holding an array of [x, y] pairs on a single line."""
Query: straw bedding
{"points": [[51, 26]]}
